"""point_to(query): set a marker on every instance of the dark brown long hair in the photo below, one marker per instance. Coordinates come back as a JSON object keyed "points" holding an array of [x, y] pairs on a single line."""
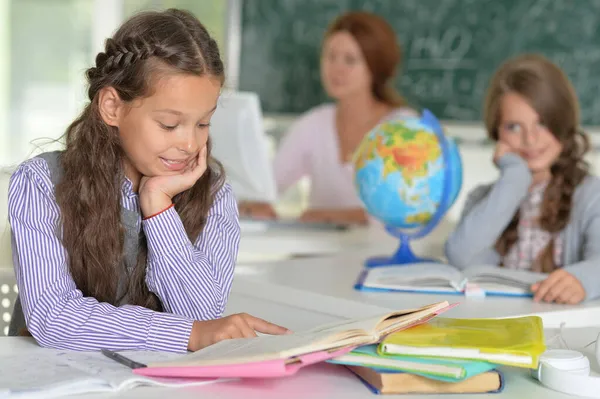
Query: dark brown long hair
{"points": [[89, 193], [550, 93], [380, 48]]}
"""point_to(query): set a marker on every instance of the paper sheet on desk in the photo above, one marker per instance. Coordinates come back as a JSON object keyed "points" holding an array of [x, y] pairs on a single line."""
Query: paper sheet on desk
{"points": [[52, 373]]}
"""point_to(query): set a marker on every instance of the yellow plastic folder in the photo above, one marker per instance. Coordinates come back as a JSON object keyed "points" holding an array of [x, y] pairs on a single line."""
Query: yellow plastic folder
{"points": [[515, 341]]}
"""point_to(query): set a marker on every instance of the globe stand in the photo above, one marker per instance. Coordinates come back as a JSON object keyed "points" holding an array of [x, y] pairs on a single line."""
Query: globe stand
{"points": [[404, 255]]}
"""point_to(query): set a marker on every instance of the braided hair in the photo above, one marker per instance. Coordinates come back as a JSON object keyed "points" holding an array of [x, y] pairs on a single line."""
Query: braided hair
{"points": [[550, 93], [90, 192]]}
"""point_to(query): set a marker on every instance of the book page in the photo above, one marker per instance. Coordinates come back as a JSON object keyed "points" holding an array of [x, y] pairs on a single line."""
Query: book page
{"points": [[54, 373], [120, 377], [498, 276], [368, 325], [400, 322], [31, 373], [262, 348], [417, 275], [272, 347], [352, 332]]}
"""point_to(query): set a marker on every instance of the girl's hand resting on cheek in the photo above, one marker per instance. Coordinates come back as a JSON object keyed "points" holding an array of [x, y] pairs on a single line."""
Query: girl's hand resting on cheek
{"points": [[560, 287], [501, 149], [241, 325], [157, 192]]}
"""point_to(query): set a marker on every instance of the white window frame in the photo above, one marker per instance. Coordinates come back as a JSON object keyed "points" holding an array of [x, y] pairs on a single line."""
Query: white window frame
{"points": [[4, 79], [233, 43]]}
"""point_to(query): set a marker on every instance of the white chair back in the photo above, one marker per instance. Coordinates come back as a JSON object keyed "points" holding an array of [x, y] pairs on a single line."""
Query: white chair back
{"points": [[8, 295]]}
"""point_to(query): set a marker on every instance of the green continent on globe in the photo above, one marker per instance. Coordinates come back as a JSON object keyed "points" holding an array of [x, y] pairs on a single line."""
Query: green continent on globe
{"points": [[419, 218], [402, 150]]}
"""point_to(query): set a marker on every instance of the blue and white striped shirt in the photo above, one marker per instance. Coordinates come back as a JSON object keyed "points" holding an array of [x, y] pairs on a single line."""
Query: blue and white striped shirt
{"points": [[192, 280]]}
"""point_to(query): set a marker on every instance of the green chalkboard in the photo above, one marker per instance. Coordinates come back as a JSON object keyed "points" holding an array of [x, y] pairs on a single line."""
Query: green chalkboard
{"points": [[451, 48]]}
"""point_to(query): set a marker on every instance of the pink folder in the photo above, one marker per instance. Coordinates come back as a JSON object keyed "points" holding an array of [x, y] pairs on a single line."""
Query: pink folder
{"points": [[270, 368]]}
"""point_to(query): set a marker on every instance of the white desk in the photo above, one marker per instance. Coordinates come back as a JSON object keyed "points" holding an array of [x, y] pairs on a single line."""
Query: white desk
{"points": [[304, 293], [279, 244]]}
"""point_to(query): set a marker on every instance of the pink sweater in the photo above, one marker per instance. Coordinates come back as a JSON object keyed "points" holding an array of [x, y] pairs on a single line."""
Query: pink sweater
{"points": [[310, 148]]}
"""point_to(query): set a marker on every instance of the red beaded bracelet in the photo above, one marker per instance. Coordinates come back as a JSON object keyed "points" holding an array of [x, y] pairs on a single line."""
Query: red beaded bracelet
{"points": [[158, 213]]}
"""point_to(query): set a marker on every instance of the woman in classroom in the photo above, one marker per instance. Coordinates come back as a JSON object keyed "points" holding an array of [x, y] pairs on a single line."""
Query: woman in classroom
{"points": [[359, 59]]}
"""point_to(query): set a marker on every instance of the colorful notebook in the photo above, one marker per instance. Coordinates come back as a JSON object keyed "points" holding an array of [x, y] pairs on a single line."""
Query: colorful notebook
{"points": [[280, 355], [440, 278], [451, 370], [513, 341], [380, 382]]}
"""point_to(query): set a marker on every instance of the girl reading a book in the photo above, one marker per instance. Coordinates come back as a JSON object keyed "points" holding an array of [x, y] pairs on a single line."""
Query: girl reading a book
{"points": [[543, 212], [128, 238]]}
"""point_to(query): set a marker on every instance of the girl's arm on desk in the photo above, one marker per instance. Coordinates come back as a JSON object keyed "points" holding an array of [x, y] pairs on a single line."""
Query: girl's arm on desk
{"points": [[58, 315]]}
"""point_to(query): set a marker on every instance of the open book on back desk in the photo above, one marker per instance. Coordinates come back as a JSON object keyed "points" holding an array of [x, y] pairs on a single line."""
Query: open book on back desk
{"points": [[441, 278]]}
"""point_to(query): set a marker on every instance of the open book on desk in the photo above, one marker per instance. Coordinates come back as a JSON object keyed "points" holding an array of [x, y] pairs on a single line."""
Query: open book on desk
{"points": [[260, 356], [440, 278], [47, 373]]}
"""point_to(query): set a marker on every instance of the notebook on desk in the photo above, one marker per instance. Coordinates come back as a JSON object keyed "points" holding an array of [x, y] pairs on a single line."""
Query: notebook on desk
{"points": [[517, 341], [445, 279], [450, 370]]}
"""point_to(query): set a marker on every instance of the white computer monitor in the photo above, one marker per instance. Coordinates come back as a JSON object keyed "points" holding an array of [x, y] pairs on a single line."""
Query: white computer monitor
{"points": [[241, 145]]}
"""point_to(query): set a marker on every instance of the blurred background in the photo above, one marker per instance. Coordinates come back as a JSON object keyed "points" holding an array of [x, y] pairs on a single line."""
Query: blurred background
{"points": [[271, 47]]}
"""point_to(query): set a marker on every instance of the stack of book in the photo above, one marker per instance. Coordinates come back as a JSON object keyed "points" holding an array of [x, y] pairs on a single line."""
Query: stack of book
{"points": [[407, 351], [448, 356]]}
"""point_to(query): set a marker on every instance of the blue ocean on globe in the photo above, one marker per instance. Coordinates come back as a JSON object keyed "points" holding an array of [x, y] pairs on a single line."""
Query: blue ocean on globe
{"points": [[400, 172]]}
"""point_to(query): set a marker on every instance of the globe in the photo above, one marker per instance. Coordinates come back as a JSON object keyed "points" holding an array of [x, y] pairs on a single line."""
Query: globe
{"points": [[407, 174]]}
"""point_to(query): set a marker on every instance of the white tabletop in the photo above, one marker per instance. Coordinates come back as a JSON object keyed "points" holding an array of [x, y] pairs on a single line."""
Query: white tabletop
{"points": [[259, 246], [281, 243]]}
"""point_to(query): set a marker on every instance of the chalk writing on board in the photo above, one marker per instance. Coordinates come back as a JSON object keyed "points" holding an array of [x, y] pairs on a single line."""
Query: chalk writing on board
{"points": [[450, 48]]}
